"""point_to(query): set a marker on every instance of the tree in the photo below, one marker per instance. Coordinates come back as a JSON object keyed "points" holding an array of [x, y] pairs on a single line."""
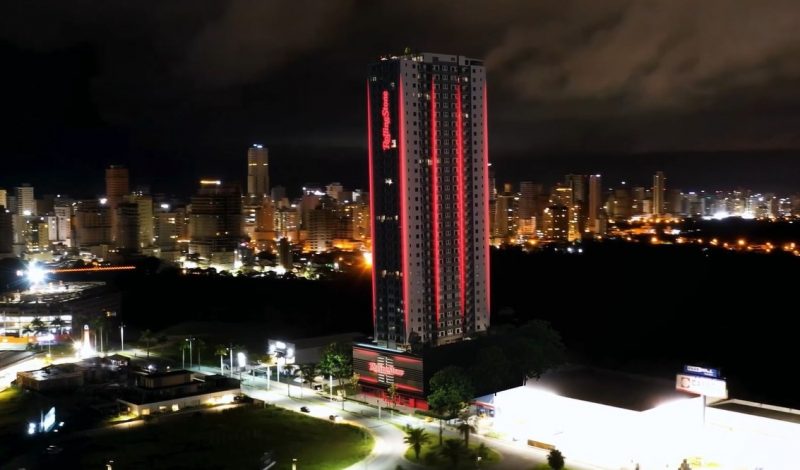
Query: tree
{"points": [[482, 451], [308, 372], [451, 391], [354, 382], [493, 369], [148, 337], [58, 323], [466, 428], [392, 393], [337, 361], [221, 350], [536, 348], [38, 326], [452, 449], [416, 438], [555, 459], [199, 345]]}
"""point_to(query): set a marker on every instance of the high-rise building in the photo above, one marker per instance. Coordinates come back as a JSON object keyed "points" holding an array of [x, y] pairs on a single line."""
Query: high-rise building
{"points": [[659, 185], [215, 223], [429, 190], [92, 226], [257, 172], [4, 199], [6, 232], [594, 204], [117, 186], [26, 204]]}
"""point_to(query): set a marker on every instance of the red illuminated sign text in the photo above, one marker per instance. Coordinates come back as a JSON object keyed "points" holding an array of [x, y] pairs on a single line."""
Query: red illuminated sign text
{"points": [[386, 369], [386, 144]]}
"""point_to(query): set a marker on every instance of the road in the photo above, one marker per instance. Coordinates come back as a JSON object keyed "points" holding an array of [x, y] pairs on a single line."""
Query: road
{"points": [[389, 447]]}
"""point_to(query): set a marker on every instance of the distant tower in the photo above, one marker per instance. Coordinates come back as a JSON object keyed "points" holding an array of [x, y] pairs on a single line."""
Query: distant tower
{"points": [[26, 204], [257, 172], [215, 222], [659, 185], [117, 186], [595, 202]]}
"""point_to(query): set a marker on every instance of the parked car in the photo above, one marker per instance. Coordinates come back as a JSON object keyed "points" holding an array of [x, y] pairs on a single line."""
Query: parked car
{"points": [[305, 409], [53, 449]]}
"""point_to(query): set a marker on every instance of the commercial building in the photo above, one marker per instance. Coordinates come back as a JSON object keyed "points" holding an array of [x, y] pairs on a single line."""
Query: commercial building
{"points": [[159, 392], [62, 308], [616, 420], [55, 377], [26, 203], [429, 191]]}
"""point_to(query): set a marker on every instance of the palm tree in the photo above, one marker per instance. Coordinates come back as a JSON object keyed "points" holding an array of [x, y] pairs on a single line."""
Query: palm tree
{"points": [[199, 344], [221, 350], [465, 428], [38, 326], [453, 450], [183, 346], [416, 438], [148, 337], [58, 323]]}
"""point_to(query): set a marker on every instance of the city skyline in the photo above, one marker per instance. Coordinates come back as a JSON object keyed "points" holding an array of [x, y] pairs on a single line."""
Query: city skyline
{"points": [[186, 99]]}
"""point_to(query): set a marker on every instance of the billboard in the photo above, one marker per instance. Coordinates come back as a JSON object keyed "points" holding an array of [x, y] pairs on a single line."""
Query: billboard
{"points": [[382, 367], [281, 349], [715, 388], [703, 371]]}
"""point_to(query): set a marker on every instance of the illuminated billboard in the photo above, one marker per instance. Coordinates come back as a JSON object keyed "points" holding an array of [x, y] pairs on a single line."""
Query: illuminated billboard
{"points": [[378, 367], [715, 388]]}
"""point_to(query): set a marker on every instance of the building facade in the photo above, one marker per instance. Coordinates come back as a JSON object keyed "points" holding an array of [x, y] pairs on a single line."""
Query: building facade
{"points": [[429, 191], [258, 172]]}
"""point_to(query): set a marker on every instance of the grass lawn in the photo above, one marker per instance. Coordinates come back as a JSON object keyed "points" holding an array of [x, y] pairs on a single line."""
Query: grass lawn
{"points": [[17, 408], [429, 456], [234, 438]]}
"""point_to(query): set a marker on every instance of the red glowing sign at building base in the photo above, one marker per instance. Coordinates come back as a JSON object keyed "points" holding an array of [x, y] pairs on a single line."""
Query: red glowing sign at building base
{"points": [[386, 369]]}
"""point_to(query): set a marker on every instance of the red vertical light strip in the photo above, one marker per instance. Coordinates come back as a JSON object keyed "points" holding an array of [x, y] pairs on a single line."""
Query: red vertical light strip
{"points": [[486, 196], [372, 210], [435, 202], [462, 247], [403, 202]]}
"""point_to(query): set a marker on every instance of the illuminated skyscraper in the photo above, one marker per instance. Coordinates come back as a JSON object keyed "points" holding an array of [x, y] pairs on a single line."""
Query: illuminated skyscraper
{"points": [[26, 204], [257, 172], [117, 186], [659, 184], [215, 222], [594, 204], [429, 190]]}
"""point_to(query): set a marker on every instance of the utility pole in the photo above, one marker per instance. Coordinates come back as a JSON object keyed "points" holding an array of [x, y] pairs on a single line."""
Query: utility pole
{"points": [[121, 336], [231, 353]]}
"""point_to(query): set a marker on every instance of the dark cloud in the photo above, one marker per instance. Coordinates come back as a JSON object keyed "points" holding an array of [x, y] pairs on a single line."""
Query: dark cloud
{"points": [[194, 82]]}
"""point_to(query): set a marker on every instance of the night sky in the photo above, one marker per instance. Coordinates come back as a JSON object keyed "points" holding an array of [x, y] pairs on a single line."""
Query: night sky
{"points": [[705, 90]]}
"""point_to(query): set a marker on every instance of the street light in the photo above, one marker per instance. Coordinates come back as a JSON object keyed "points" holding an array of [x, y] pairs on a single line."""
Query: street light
{"points": [[190, 340], [122, 337], [242, 361]]}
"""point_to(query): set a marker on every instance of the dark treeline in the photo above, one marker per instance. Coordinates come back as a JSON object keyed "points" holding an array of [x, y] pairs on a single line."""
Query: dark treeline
{"points": [[652, 309]]}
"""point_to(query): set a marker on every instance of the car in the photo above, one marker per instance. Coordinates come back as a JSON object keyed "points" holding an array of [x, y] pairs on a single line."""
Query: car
{"points": [[305, 409], [53, 449], [335, 418]]}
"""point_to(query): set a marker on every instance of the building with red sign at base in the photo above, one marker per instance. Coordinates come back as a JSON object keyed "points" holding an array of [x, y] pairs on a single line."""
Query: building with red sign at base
{"points": [[427, 137]]}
